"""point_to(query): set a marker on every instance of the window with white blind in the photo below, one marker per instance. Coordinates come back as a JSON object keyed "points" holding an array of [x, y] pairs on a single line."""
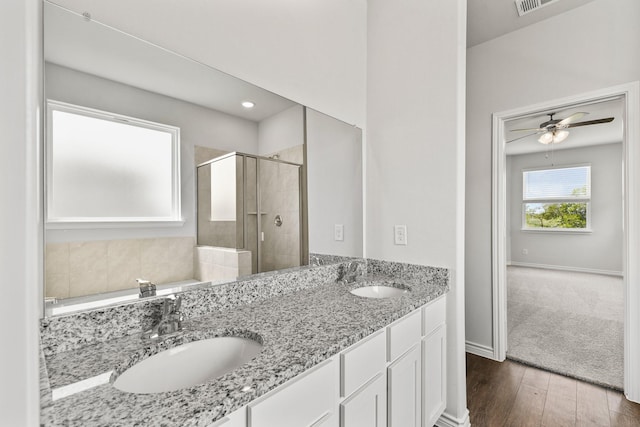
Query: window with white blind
{"points": [[556, 199], [108, 168]]}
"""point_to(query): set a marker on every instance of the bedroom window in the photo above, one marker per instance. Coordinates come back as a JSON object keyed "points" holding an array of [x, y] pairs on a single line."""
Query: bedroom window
{"points": [[556, 199], [109, 168]]}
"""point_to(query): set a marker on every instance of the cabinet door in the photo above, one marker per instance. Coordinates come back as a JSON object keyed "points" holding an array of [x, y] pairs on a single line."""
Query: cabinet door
{"points": [[434, 370], [309, 400], [404, 400], [366, 407]]}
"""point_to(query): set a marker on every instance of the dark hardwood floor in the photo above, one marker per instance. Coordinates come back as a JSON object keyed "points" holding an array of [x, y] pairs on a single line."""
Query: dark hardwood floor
{"points": [[512, 394]]}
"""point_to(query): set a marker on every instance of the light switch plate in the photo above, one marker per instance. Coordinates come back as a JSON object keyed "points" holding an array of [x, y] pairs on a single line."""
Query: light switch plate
{"points": [[400, 234], [338, 232]]}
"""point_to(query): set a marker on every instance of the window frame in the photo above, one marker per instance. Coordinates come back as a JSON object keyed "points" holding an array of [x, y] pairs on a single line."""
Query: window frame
{"points": [[66, 222], [556, 200]]}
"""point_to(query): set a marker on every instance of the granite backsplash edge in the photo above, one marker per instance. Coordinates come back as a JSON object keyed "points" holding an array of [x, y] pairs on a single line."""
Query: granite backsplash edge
{"points": [[73, 331]]}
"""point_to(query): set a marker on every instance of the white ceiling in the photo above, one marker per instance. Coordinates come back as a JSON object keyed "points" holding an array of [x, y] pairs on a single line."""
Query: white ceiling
{"points": [[488, 19], [90, 47], [605, 133]]}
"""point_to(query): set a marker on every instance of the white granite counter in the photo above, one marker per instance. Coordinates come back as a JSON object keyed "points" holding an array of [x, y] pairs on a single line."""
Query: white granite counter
{"points": [[298, 328]]}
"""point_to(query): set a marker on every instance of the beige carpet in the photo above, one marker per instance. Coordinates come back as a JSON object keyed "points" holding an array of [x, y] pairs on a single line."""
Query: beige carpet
{"points": [[565, 322]]}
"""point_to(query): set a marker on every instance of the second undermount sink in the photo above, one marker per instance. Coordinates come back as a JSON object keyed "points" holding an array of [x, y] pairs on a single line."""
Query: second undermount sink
{"points": [[187, 365], [379, 291]]}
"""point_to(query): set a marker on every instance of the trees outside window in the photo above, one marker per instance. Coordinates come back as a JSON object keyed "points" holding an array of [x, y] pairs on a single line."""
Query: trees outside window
{"points": [[557, 198]]}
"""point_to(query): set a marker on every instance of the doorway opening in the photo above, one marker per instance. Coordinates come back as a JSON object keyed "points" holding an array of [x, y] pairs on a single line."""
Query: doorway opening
{"points": [[627, 97]]}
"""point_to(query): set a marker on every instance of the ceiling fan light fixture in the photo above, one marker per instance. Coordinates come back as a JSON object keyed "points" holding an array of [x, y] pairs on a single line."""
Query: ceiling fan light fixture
{"points": [[546, 138], [560, 136]]}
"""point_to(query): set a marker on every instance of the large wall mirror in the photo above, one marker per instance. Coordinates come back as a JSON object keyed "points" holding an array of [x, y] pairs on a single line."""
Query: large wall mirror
{"points": [[156, 170]]}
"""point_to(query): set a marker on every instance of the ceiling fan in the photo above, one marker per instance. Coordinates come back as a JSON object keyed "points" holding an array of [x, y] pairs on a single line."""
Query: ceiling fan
{"points": [[554, 131]]}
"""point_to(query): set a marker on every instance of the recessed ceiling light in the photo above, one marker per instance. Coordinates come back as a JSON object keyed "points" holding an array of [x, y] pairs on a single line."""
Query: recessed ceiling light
{"points": [[248, 104]]}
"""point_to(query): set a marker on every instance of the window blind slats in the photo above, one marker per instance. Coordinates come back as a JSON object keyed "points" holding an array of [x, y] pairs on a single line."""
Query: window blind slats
{"points": [[558, 183]]}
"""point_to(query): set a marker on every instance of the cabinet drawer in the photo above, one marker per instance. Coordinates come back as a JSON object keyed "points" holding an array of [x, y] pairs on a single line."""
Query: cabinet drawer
{"points": [[306, 401], [403, 334], [361, 362], [434, 314]]}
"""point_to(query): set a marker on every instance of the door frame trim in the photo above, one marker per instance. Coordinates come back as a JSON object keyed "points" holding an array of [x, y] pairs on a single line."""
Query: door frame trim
{"points": [[629, 93]]}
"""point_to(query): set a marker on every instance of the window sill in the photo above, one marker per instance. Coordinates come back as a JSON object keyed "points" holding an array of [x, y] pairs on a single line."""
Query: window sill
{"points": [[74, 225], [558, 230]]}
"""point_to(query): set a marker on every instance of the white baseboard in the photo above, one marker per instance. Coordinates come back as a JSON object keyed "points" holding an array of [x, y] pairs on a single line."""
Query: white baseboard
{"points": [[447, 420], [480, 350], [565, 268]]}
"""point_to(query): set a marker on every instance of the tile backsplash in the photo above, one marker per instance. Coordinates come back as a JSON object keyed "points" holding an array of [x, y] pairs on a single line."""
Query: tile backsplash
{"points": [[83, 268]]}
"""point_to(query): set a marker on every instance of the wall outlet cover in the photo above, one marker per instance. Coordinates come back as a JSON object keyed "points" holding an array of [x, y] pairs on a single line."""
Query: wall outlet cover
{"points": [[338, 232], [400, 234]]}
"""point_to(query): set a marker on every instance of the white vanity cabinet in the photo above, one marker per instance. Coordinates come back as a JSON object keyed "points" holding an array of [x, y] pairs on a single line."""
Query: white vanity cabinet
{"points": [[309, 400], [363, 383], [236, 419], [367, 406], [404, 390], [434, 361], [403, 372], [395, 377]]}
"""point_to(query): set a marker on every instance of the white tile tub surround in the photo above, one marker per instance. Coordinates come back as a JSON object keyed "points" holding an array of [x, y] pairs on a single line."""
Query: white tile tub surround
{"points": [[83, 268], [212, 263]]}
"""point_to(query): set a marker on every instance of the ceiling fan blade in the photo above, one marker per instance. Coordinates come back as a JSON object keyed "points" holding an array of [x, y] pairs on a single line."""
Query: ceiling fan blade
{"points": [[522, 137], [591, 122], [565, 122], [528, 130]]}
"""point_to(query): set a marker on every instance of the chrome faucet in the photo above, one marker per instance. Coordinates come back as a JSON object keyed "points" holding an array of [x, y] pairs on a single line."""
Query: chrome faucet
{"points": [[171, 320], [147, 289], [348, 273]]}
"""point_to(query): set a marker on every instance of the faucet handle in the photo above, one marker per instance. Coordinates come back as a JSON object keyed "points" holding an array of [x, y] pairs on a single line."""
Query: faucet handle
{"points": [[147, 289], [177, 303], [171, 304]]}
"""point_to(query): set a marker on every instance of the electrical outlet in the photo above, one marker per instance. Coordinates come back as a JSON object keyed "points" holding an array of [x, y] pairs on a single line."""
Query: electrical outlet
{"points": [[525, 252], [400, 234], [338, 232]]}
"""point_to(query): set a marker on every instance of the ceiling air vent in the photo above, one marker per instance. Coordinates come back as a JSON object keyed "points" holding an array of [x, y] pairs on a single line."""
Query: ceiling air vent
{"points": [[526, 6]]}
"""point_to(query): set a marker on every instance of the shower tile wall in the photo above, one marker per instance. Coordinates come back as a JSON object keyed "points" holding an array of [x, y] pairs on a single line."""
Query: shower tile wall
{"points": [[292, 154], [212, 233], [83, 268], [203, 154]]}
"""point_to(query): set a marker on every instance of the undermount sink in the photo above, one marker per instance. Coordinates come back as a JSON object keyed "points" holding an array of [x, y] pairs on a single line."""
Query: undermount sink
{"points": [[187, 365], [379, 291]]}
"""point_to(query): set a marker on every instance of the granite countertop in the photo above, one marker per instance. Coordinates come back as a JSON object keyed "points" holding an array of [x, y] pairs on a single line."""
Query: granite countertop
{"points": [[298, 330]]}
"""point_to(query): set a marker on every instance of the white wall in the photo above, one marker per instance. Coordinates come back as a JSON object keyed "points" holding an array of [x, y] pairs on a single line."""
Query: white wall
{"points": [[596, 47], [198, 126], [20, 251], [281, 131], [415, 149], [334, 192], [598, 251], [312, 52]]}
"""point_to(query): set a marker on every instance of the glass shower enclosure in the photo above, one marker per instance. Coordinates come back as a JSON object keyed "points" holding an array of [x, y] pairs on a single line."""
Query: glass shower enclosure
{"points": [[252, 204]]}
